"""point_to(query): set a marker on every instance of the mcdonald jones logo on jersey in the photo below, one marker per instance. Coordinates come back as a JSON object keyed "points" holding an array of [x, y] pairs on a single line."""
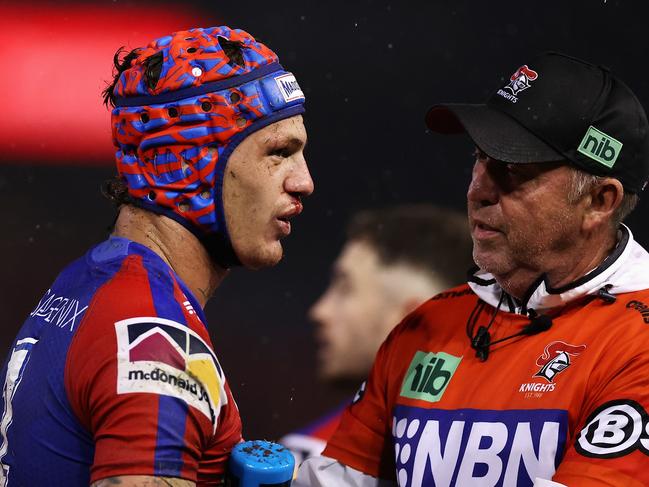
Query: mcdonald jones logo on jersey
{"points": [[160, 356]]}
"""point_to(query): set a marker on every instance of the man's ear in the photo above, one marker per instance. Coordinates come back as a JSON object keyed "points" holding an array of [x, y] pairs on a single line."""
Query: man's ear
{"points": [[605, 198]]}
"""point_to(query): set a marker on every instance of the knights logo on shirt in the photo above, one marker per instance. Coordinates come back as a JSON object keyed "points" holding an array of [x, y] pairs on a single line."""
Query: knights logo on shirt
{"points": [[556, 358], [160, 356]]}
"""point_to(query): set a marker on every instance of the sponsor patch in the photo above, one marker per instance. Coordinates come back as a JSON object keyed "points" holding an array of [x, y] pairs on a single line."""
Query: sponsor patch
{"points": [[288, 87], [640, 307], [600, 147], [160, 356], [519, 81], [615, 429], [429, 375], [469, 447], [556, 358]]}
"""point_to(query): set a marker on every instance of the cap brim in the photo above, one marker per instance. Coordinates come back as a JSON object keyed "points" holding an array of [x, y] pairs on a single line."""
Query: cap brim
{"points": [[495, 133]]}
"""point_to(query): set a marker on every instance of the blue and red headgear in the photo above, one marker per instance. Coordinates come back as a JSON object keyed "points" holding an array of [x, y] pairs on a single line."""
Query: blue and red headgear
{"points": [[182, 107]]}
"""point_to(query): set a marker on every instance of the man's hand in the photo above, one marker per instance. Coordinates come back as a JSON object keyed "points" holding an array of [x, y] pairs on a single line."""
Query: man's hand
{"points": [[142, 481]]}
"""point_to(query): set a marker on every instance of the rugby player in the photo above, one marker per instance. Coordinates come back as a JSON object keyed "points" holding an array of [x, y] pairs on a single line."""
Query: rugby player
{"points": [[113, 378]]}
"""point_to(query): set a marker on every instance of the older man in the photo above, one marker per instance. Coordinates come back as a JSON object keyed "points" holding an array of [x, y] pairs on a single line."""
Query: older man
{"points": [[112, 379], [537, 371]]}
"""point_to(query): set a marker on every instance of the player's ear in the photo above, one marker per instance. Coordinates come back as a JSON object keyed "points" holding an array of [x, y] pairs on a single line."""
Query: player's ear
{"points": [[604, 199]]}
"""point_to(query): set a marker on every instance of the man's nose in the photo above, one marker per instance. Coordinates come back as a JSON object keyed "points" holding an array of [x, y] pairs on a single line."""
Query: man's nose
{"points": [[483, 189], [318, 311], [299, 180]]}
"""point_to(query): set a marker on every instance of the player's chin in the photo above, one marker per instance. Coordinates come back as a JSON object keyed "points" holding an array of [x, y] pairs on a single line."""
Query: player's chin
{"points": [[327, 372], [261, 256]]}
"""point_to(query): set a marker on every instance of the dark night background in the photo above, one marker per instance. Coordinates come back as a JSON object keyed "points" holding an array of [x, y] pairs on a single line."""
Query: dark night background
{"points": [[369, 69]]}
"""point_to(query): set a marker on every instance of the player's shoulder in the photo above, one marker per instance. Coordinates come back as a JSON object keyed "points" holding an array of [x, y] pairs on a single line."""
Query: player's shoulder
{"points": [[462, 292], [633, 307], [623, 322], [442, 313], [125, 259], [445, 302], [137, 285], [139, 278]]}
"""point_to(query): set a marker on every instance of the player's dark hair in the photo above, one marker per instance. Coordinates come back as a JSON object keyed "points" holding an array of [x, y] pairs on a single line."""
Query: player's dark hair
{"points": [[435, 240], [153, 66], [120, 64], [115, 189]]}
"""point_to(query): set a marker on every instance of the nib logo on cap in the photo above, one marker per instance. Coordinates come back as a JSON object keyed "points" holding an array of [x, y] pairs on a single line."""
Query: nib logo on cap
{"points": [[520, 80]]}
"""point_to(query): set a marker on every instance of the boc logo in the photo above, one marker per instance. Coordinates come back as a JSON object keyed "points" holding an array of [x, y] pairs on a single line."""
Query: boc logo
{"points": [[615, 429]]}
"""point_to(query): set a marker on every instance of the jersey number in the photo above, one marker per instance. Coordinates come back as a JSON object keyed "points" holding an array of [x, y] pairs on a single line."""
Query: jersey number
{"points": [[15, 367]]}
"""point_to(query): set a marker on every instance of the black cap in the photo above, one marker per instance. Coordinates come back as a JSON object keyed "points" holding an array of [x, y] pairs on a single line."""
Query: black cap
{"points": [[558, 108]]}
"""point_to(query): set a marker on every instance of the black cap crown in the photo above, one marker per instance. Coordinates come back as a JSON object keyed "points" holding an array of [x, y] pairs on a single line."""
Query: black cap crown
{"points": [[558, 108]]}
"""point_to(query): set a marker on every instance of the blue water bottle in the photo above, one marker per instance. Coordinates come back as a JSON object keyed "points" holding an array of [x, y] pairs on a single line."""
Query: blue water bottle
{"points": [[260, 463]]}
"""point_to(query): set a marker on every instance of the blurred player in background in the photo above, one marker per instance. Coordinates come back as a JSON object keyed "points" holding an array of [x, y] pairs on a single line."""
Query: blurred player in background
{"points": [[113, 379], [394, 259]]}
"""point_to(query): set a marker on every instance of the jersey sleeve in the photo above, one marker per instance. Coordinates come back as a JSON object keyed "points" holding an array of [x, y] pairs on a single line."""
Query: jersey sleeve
{"points": [[319, 471], [148, 388], [362, 440], [610, 446]]}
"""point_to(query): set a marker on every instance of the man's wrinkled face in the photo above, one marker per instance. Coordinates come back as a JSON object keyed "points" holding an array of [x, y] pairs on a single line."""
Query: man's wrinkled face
{"points": [[264, 181], [520, 216]]}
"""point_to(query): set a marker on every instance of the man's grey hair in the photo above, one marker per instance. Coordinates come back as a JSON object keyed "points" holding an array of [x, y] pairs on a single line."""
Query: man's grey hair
{"points": [[582, 182]]}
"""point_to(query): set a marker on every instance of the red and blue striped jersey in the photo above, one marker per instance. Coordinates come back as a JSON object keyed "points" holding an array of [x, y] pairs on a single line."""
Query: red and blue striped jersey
{"points": [[113, 373], [312, 439]]}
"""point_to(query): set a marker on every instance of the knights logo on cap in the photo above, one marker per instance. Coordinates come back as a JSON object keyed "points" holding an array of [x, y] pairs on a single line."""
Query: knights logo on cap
{"points": [[520, 80]]}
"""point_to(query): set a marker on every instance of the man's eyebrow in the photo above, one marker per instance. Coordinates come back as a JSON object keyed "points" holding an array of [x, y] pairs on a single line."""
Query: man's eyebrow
{"points": [[288, 140], [296, 142]]}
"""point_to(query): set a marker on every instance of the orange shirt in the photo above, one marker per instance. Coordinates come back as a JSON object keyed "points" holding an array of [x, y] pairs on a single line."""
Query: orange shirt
{"points": [[568, 404]]}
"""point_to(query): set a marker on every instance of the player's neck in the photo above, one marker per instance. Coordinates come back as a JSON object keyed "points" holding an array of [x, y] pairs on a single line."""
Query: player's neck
{"points": [[176, 245]]}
